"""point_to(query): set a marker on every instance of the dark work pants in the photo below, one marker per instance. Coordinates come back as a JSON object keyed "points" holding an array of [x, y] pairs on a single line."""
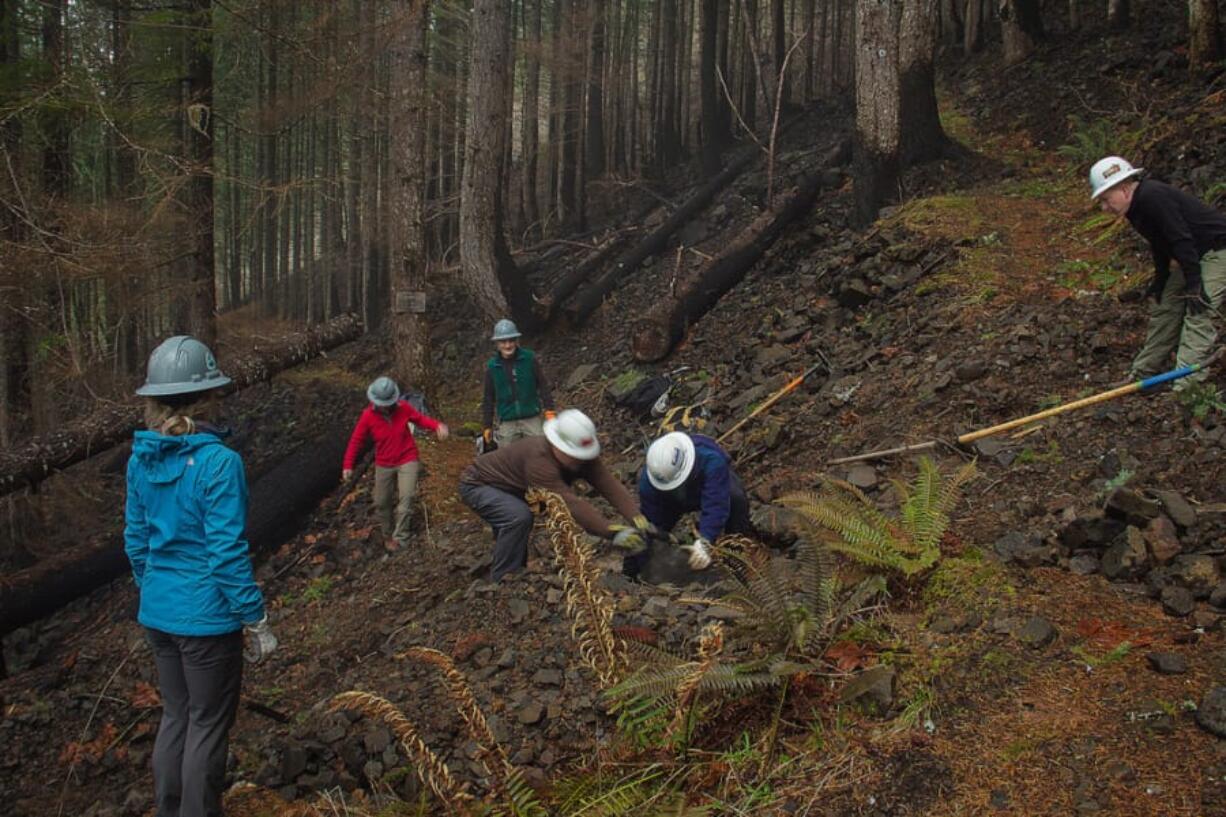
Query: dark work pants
{"points": [[511, 520], [738, 522], [199, 678]]}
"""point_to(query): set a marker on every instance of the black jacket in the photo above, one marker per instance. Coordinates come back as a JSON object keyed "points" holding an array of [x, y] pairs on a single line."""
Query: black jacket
{"points": [[1177, 226]]}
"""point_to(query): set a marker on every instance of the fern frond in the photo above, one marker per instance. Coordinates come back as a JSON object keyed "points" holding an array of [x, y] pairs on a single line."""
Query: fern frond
{"points": [[598, 796], [521, 799], [492, 755], [815, 571], [431, 770]]}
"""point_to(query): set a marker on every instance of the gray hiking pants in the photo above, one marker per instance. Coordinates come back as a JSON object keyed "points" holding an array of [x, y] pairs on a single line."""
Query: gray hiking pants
{"points": [[199, 678], [389, 481], [1190, 337], [508, 431], [511, 520]]}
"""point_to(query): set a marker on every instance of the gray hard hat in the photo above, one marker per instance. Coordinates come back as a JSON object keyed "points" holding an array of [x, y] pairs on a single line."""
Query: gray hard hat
{"points": [[383, 392], [505, 329], [181, 365]]}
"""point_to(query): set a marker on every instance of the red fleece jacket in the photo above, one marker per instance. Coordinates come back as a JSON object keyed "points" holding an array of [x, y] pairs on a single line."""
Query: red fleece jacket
{"points": [[394, 445]]}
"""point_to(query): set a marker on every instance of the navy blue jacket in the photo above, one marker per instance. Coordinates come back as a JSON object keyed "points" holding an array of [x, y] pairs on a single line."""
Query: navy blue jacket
{"points": [[708, 489]]}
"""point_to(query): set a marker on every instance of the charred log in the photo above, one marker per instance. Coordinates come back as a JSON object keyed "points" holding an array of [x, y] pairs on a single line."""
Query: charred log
{"points": [[278, 502], [657, 332], [105, 427]]}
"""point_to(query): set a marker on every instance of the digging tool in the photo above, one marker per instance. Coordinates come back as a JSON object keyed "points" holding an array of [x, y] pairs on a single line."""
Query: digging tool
{"points": [[776, 397], [1101, 397]]}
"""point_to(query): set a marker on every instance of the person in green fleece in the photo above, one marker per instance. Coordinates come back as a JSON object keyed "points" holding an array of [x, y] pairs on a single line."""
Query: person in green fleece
{"points": [[516, 387]]}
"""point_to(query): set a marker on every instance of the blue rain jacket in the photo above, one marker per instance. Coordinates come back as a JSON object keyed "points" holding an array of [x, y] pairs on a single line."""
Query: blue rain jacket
{"points": [[708, 489], [183, 533]]}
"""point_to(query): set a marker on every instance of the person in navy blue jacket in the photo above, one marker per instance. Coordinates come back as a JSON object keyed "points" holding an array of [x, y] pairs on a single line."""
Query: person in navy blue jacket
{"points": [[686, 473], [183, 533]]}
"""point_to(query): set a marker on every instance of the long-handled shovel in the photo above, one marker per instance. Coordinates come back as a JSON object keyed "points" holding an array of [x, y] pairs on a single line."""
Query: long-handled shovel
{"points": [[775, 398], [1101, 397]]}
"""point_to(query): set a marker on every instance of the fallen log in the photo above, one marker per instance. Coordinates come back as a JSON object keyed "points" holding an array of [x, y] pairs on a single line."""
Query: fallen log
{"points": [[278, 502], [659, 330], [546, 305], [588, 300], [106, 426]]}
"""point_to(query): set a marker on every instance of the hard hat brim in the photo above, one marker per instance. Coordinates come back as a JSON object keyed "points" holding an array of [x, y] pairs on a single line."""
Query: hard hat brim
{"points": [[1136, 171], [173, 389], [551, 434]]}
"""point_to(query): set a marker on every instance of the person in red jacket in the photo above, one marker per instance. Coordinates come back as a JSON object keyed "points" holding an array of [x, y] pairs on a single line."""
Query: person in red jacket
{"points": [[386, 420]]}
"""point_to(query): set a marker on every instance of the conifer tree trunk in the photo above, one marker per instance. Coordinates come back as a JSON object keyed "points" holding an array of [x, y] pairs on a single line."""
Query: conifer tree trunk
{"points": [[1203, 34], [486, 267], [202, 309], [408, 235], [1074, 15], [57, 164], [712, 137], [1118, 14], [594, 130], [878, 105], [530, 140], [778, 46], [1021, 28], [923, 138], [973, 31]]}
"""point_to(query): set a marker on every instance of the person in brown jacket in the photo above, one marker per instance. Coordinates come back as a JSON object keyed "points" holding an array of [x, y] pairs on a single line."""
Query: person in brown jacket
{"points": [[495, 484]]}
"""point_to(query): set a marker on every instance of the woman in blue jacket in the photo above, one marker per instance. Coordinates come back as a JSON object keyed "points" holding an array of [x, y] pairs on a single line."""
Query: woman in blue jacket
{"points": [[184, 519]]}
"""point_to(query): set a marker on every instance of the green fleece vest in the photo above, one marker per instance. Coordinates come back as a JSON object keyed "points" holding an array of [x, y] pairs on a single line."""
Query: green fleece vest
{"points": [[522, 401]]}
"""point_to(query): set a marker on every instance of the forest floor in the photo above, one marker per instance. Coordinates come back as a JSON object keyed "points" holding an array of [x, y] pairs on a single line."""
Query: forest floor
{"points": [[1024, 682]]}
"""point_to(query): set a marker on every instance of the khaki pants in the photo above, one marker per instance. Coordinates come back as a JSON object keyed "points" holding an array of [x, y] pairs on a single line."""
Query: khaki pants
{"points": [[1190, 337], [508, 431], [402, 478]]}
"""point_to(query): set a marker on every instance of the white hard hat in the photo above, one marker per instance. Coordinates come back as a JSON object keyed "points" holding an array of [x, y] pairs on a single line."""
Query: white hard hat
{"points": [[573, 433], [670, 460], [1109, 172]]}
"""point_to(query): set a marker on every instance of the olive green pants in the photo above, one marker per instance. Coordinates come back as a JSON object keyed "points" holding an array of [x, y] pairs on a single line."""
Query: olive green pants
{"points": [[1171, 329], [508, 431], [395, 518]]}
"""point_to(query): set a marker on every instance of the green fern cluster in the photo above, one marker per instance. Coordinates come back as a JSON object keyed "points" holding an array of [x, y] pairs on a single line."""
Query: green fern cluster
{"points": [[1090, 139], [852, 525]]}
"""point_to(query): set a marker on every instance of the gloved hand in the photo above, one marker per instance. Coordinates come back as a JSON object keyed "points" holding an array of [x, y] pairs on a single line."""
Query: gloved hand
{"points": [[488, 436], [628, 539], [443, 432], [1196, 300], [346, 474], [550, 414], [700, 553], [1154, 290], [642, 525], [259, 641]]}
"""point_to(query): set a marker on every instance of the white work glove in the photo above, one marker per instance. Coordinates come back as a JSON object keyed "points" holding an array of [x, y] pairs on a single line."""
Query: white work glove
{"points": [[346, 474], [700, 554], [259, 642]]}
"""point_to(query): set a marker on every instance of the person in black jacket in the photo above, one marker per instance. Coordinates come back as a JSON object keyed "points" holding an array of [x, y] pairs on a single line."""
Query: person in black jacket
{"points": [[1183, 302]]}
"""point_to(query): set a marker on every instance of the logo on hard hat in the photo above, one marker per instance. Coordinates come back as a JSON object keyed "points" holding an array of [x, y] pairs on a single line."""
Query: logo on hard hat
{"points": [[678, 456], [584, 442], [1111, 171], [210, 362]]}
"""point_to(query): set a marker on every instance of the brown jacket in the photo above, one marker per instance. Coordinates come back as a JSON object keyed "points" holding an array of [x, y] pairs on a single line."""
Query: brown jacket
{"points": [[529, 463]]}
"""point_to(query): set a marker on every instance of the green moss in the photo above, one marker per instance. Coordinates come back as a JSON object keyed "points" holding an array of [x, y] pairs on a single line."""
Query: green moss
{"points": [[968, 583]]}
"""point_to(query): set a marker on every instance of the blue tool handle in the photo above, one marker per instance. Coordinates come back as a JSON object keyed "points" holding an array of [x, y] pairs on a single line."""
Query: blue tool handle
{"points": [[1173, 374]]}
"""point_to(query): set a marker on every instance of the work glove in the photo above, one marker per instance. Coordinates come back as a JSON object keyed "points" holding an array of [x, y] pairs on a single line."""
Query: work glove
{"points": [[259, 642], [443, 432], [550, 414], [643, 525], [628, 539], [346, 474], [1154, 290], [700, 553], [488, 436], [1196, 300]]}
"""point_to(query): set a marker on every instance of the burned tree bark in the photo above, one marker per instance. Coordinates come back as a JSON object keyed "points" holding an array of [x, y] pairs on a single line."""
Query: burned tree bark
{"points": [[33, 462], [878, 106], [278, 502], [1021, 27], [1203, 37], [923, 138], [547, 305], [590, 299], [658, 331]]}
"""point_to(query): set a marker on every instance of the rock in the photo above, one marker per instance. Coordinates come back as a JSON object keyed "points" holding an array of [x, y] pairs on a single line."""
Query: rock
{"points": [[579, 375], [1129, 505], [625, 383], [519, 610], [1126, 559], [656, 607], [1177, 508], [1177, 601], [137, 801], [1094, 530], [531, 713], [874, 686], [293, 762], [376, 740], [1083, 564], [507, 659], [1167, 663], [547, 678], [1197, 572], [1162, 539], [862, 476], [854, 294], [1218, 597], [1211, 714], [1024, 549], [970, 370], [1036, 633]]}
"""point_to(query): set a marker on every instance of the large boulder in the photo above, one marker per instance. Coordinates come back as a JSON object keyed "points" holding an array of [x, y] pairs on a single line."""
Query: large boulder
{"points": [[1127, 558]]}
